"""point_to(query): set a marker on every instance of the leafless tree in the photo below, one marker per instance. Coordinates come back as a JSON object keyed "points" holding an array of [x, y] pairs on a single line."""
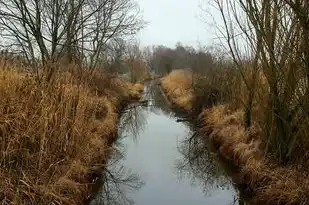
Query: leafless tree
{"points": [[50, 29], [276, 32], [135, 61]]}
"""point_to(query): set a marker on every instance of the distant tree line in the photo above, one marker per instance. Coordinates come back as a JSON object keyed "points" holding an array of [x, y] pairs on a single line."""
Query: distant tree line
{"points": [[163, 60]]}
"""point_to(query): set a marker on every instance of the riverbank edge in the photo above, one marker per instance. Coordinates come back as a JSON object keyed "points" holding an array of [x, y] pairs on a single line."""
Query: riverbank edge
{"points": [[185, 113], [269, 183], [79, 175], [96, 174]]}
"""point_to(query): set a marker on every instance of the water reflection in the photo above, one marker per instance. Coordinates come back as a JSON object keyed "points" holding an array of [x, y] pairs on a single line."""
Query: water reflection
{"points": [[203, 168], [116, 182], [133, 120], [144, 160], [158, 102], [199, 165]]}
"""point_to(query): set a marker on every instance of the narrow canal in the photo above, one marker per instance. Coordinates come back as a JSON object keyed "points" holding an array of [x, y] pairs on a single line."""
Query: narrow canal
{"points": [[158, 162]]}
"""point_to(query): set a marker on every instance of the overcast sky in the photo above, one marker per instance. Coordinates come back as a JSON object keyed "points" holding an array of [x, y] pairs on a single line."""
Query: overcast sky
{"points": [[170, 21]]}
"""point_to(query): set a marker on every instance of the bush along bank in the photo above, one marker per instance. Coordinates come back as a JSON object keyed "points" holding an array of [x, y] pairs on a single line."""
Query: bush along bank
{"points": [[270, 182], [56, 134]]}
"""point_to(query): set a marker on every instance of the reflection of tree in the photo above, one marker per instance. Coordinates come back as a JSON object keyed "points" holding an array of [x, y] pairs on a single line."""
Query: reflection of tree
{"points": [[115, 183], [200, 165], [204, 169], [159, 104], [133, 120]]}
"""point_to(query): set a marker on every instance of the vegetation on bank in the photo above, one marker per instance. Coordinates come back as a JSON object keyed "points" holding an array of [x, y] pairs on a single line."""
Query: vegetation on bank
{"points": [[60, 92], [271, 183], [245, 148], [55, 135], [259, 116], [177, 88]]}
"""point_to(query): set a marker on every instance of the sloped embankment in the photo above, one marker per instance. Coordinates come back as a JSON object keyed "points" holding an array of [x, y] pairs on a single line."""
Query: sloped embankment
{"points": [[177, 88], [271, 183], [55, 136]]}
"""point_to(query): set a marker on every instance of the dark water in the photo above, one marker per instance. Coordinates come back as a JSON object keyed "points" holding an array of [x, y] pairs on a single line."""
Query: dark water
{"points": [[159, 161]]}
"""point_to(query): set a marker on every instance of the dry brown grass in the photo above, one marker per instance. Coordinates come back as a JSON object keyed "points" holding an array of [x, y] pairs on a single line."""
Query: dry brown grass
{"points": [[178, 88], [139, 87], [55, 135], [272, 183]]}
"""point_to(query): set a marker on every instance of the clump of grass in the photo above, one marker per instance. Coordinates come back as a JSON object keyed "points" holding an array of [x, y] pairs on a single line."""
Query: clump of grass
{"points": [[272, 183], [139, 87], [55, 135], [178, 88]]}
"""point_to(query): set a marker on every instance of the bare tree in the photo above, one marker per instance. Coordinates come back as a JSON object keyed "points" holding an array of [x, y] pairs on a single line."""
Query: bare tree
{"points": [[135, 62], [275, 31], [51, 29]]}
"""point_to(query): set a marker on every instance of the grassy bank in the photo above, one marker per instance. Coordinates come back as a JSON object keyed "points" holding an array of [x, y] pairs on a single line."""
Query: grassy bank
{"points": [[271, 182], [177, 88], [55, 135]]}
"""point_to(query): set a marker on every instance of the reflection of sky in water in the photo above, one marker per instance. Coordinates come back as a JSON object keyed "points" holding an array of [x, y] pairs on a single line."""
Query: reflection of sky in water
{"points": [[154, 158], [161, 158]]}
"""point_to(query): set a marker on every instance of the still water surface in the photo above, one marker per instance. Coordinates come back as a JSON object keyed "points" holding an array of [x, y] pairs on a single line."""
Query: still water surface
{"points": [[158, 162]]}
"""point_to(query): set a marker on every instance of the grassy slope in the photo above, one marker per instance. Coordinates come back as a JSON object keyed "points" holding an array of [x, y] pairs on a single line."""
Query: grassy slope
{"points": [[177, 88], [55, 136], [272, 183]]}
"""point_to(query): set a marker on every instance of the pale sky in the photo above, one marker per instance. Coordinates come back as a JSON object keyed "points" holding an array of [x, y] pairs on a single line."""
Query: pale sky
{"points": [[170, 21]]}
